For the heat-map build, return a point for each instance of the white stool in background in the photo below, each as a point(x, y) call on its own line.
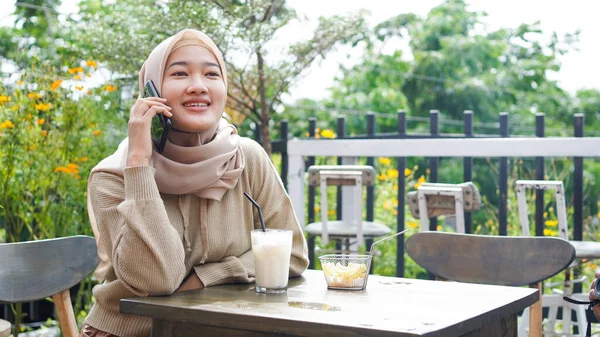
point(584, 250)
point(352, 225)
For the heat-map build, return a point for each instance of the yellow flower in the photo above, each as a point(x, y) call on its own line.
point(56, 84)
point(392, 173)
point(420, 181)
point(77, 77)
point(75, 70)
point(395, 202)
point(7, 125)
point(41, 121)
point(19, 82)
point(388, 205)
point(331, 212)
point(32, 147)
point(317, 208)
point(110, 88)
point(598, 215)
point(395, 187)
point(383, 176)
point(4, 98)
point(84, 158)
point(91, 63)
point(327, 133)
point(549, 232)
point(34, 95)
point(88, 75)
point(411, 224)
point(385, 161)
point(89, 92)
point(44, 133)
point(96, 132)
point(42, 107)
point(407, 172)
point(29, 116)
point(551, 223)
point(14, 108)
point(79, 87)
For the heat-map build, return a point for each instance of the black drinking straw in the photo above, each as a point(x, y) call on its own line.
point(262, 222)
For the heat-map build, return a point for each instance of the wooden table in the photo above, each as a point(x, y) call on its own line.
point(388, 307)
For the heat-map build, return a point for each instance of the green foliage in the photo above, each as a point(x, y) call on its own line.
point(51, 135)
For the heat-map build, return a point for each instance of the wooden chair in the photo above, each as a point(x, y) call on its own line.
point(496, 260)
point(34, 270)
point(352, 225)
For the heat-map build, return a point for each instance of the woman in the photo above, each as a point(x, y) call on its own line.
point(179, 220)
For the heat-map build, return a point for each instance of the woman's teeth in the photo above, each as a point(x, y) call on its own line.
point(194, 105)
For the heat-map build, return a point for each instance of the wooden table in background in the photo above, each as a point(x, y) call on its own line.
point(388, 307)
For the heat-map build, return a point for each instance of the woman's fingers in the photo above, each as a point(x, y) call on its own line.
point(142, 105)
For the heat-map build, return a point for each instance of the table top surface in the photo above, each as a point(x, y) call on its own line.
point(404, 307)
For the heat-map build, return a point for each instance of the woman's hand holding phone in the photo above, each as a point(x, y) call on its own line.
point(140, 121)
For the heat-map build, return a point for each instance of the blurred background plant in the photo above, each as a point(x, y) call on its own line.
point(53, 130)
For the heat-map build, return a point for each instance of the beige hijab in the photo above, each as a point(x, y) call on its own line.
point(207, 170)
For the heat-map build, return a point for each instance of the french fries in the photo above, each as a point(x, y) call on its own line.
point(351, 276)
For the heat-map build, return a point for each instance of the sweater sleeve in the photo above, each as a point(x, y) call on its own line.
point(145, 250)
point(231, 269)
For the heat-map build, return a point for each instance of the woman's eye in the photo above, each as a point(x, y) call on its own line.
point(213, 74)
point(179, 73)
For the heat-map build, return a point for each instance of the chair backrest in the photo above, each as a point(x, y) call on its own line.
point(366, 172)
point(498, 260)
point(435, 199)
point(342, 175)
point(561, 209)
point(35, 270)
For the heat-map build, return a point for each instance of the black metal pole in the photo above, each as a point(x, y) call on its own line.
point(434, 162)
point(468, 164)
point(312, 126)
point(579, 120)
point(341, 133)
point(400, 217)
point(539, 175)
point(284, 157)
point(503, 181)
point(370, 189)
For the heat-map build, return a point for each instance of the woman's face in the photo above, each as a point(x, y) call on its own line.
point(194, 89)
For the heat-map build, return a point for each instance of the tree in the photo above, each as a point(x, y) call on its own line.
point(244, 30)
point(459, 64)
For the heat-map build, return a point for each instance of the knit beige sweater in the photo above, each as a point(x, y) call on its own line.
point(155, 240)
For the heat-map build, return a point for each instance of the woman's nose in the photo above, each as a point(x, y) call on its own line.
point(197, 86)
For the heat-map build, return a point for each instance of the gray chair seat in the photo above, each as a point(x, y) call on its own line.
point(342, 230)
point(4, 328)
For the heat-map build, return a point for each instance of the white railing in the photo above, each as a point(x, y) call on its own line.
point(350, 149)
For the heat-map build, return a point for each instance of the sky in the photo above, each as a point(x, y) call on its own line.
point(579, 69)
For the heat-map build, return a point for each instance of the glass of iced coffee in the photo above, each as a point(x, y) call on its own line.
point(272, 250)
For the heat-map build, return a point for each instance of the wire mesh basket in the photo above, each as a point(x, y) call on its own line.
point(347, 272)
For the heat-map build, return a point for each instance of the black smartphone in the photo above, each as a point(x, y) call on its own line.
point(161, 125)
